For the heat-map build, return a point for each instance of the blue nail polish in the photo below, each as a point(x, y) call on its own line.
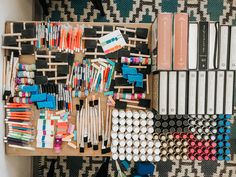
point(227, 123)
point(220, 123)
point(227, 144)
point(220, 157)
point(219, 137)
point(228, 116)
point(220, 144)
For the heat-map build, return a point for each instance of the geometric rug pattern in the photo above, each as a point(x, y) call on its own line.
point(140, 11)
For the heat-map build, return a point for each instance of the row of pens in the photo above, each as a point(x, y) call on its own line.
point(61, 36)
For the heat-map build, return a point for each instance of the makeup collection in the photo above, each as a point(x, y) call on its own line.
point(89, 88)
